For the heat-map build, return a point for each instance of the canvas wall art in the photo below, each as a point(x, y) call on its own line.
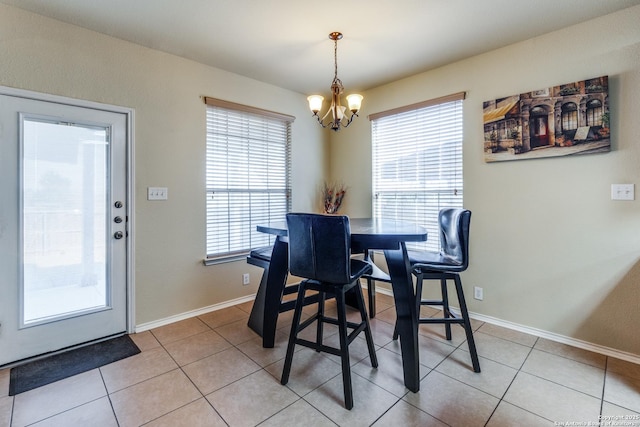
point(562, 120)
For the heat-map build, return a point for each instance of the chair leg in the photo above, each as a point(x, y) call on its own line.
point(344, 348)
point(419, 282)
point(371, 286)
point(371, 293)
point(467, 324)
point(297, 314)
point(367, 331)
point(445, 307)
point(320, 322)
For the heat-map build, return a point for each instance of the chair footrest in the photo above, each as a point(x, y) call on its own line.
point(323, 348)
point(333, 321)
point(356, 327)
point(441, 320)
point(431, 302)
point(306, 323)
point(290, 305)
point(352, 336)
point(291, 289)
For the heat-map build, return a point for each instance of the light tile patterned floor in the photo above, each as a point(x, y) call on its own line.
point(212, 371)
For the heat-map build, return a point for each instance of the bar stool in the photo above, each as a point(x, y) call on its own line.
point(319, 253)
point(445, 265)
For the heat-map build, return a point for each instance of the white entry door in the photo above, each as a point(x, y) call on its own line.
point(63, 223)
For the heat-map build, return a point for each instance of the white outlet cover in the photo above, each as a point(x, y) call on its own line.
point(157, 193)
point(622, 191)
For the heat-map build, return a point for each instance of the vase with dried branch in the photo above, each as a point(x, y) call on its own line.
point(332, 195)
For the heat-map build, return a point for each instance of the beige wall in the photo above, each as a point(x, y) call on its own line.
point(549, 247)
point(47, 56)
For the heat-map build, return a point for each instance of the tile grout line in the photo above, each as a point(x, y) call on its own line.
point(511, 383)
point(519, 370)
point(202, 396)
point(113, 410)
point(604, 385)
point(303, 397)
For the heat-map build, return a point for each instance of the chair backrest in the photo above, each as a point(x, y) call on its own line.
point(319, 247)
point(454, 235)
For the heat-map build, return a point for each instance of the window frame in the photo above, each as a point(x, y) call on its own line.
point(569, 116)
point(594, 112)
point(433, 124)
point(235, 126)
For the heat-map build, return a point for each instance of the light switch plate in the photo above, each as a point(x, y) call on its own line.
point(622, 191)
point(157, 193)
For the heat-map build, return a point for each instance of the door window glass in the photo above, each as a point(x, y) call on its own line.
point(64, 217)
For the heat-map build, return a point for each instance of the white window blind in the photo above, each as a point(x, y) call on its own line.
point(417, 163)
point(248, 176)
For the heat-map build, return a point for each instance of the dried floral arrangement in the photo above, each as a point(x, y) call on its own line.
point(332, 195)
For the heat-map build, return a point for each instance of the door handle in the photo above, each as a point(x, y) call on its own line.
point(118, 235)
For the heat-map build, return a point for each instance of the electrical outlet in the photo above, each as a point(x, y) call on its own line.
point(622, 191)
point(478, 293)
point(246, 279)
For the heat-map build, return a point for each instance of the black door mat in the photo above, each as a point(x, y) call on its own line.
point(60, 366)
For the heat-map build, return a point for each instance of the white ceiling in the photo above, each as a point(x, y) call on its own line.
point(285, 42)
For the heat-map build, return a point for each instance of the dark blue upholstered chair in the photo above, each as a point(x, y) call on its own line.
point(320, 253)
point(447, 264)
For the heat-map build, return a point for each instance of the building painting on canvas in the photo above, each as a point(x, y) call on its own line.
point(562, 120)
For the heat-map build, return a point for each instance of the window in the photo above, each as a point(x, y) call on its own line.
point(248, 176)
point(417, 163)
point(594, 113)
point(569, 116)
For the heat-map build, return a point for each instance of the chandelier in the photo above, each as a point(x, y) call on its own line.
point(339, 118)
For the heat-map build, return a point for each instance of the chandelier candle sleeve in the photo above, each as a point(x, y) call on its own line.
point(355, 101)
point(338, 112)
point(315, 103)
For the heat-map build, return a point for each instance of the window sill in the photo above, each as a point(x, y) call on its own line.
point(226, 259)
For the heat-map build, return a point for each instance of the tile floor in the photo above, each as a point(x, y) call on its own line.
point(212, 371)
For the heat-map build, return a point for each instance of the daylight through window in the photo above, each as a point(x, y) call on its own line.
point(417, 163)
point(248, 176)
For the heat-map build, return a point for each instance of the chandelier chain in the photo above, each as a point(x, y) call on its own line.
point(335, 59)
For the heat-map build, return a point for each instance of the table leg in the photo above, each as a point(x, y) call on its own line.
point(264, 313)
point(407, 317)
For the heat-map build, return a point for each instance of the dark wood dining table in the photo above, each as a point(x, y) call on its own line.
point(366, 233)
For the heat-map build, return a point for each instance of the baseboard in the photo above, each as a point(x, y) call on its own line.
point(596, 348)
point(585, 345)
point(193, 313)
